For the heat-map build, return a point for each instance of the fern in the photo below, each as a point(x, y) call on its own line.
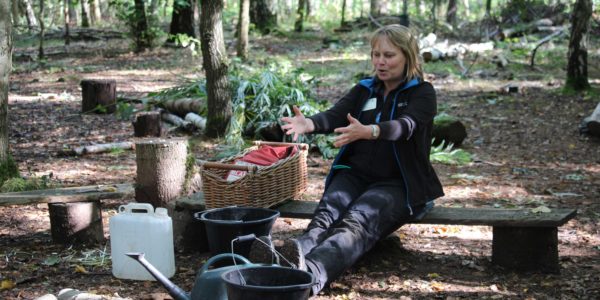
point(446, 155)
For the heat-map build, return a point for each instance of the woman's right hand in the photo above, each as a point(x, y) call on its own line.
point(297, 124)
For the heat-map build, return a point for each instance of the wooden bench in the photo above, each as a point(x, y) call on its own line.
point(522, 240)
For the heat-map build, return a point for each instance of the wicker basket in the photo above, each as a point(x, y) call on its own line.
point(261, 186)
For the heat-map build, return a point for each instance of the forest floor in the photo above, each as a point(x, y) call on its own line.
point(527, 153)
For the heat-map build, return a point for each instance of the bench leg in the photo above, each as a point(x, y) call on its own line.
point(526, 248)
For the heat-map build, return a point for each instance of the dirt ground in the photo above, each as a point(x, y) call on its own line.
point(527, 153)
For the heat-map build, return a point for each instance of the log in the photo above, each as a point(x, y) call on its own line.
point(76, 222)
point(101, 148)
point(147, 124)
point(591, 124)
point(183, 106)
point(198, 121)
point(96, 93)
point(524, 28)
point(432, 54)
point(176, 120)
point(161, 170)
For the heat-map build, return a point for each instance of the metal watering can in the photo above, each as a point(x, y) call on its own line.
point(208, 285)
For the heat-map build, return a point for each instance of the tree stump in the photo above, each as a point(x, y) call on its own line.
point(591, 124)
point(147, 124)
point(161, 170)
point(79, 222)
point(448, 130)
point(96, 93)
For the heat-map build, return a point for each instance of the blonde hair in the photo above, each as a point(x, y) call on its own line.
point(402, 38)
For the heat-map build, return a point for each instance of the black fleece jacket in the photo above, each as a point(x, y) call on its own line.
point(409, 148)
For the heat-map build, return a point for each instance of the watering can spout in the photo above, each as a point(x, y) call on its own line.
point(176, 292)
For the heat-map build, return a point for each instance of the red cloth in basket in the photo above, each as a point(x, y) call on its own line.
point(264, 156)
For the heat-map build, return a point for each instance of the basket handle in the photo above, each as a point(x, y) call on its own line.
point(301, 145)
point(218, 165)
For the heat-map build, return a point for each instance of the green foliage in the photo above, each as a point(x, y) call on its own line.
point(126, 12)
point(447, 155)
point(186, 41)
point(19, 184)
point(442, 119)
point(124, 110)
point(191, 89)
point(263, 96)
point(8, 169)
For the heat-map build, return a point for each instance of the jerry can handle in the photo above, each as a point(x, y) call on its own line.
point(220, 257)
point(136, 208)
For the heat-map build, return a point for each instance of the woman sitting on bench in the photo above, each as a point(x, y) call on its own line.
point(382, 176)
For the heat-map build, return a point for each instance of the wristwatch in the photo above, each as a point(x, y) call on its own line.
point(374, 131)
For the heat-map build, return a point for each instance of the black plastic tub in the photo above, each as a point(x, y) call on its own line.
point(268, 283)
point(225, 224)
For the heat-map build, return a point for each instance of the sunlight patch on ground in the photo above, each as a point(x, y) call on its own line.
point(457, 231)
point(486, 192)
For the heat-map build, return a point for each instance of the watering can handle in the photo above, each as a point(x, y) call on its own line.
point(220, 257)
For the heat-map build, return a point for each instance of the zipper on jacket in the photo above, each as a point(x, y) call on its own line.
point(398, 159)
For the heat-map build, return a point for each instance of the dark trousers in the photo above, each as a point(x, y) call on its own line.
point(352, 216)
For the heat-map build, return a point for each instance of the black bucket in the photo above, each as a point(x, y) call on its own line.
point(226, 224)
point(268, 282)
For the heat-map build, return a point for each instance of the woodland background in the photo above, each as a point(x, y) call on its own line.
point(522, 101)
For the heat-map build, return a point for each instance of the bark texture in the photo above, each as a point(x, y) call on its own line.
point(182, 21)
point(243, 24)
point(98, 92)
point(76, 222)
point(214, 61)
point(577, 73)
point(147, 124)
point(161, 170)
point(5, 67)
point(262, 14)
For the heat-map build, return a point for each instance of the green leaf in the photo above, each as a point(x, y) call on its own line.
point(51, 260)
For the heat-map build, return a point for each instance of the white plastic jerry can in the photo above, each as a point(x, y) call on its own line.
point(138, 228)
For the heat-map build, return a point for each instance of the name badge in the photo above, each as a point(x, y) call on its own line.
point(370, 104)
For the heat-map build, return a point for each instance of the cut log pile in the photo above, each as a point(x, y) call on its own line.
point(432, 50)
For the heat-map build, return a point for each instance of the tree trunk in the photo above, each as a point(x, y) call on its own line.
point(147, 124)
point(94, 11)
point(76, 222)
point(30, 14)
point(142, 42)
point(66, 15)
point(182, 20)
point(214, 61)
point(42, 32)
point(343, 13)
point(98, 92)
point(298, 26)
point(488, 8)
point(72, 13)
point(161, 170)
point(262, 14)
point(243, 24)
point(451, 13)
point(577, 74)
point(84, 14)
point(375, 8)
point(5, 68)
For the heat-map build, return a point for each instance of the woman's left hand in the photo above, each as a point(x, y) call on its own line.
point(354, 131)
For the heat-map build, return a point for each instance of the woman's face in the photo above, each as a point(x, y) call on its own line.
point(388, 61)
